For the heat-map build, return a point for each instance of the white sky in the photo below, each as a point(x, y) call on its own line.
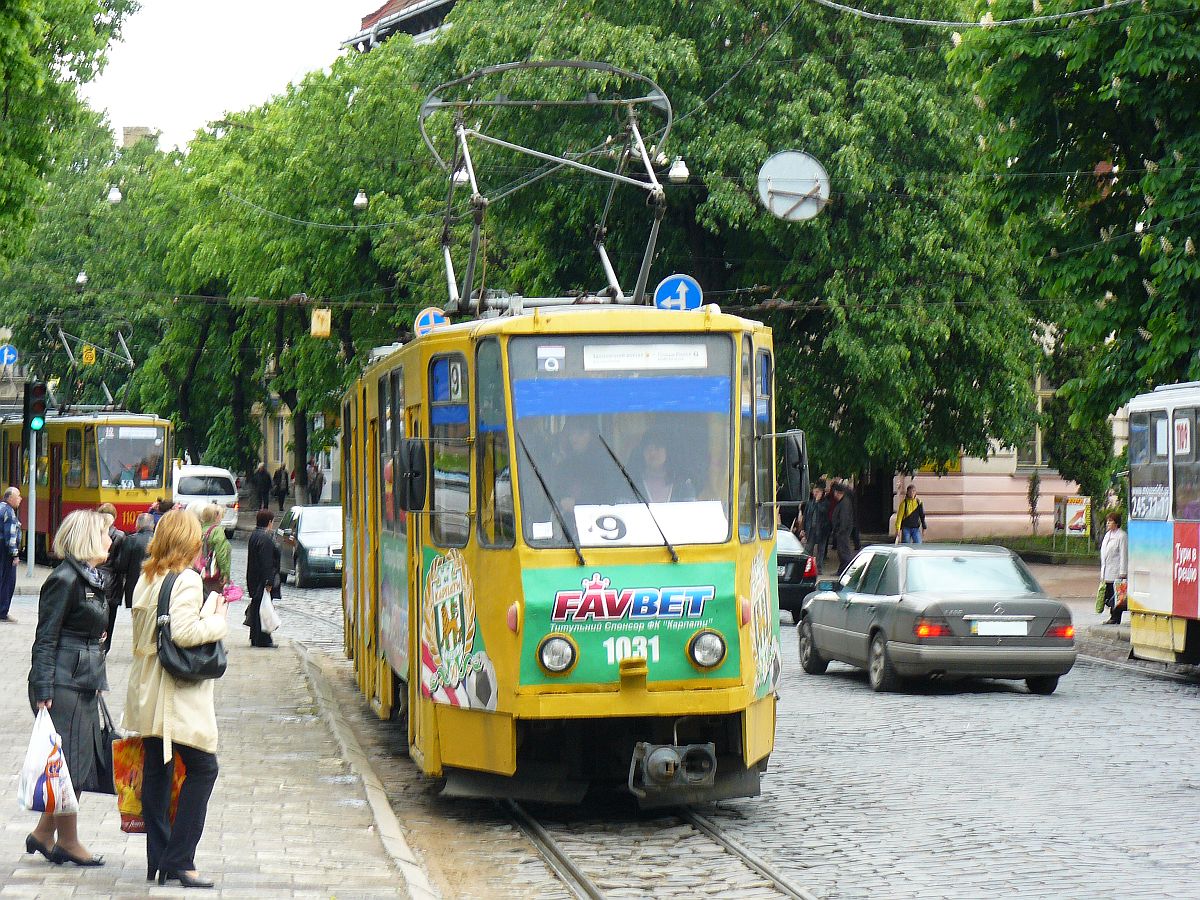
point(183, 64)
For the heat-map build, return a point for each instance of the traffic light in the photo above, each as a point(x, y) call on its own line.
point(36, 395)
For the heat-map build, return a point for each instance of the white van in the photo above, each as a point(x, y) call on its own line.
point(209, 484)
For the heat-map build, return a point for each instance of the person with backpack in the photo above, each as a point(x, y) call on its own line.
point(215, 553)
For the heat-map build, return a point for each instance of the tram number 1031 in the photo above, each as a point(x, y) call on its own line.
point(619, 648)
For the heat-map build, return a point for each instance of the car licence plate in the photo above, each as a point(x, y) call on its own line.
point(337, 565)
point(782, 571)
point(993, 627)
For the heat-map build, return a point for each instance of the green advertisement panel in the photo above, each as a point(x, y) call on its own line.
point(651, 611)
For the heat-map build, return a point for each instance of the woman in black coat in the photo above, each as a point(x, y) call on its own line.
point(68, 672)
point(262, 573)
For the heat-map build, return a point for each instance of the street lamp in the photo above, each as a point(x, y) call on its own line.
point(114, 195)
point(679, 171)
point(361, 201)
point(461, 177)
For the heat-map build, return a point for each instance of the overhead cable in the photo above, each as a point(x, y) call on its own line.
point(985, 22)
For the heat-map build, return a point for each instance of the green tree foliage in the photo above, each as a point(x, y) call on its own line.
point(1090, 138)
point(1080, 448)
point(47, 48)
point(900, 328)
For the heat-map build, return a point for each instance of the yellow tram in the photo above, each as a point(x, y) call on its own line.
point(88, 458)
point(560, 551)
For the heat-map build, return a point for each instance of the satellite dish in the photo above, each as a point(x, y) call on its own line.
point(793, 186)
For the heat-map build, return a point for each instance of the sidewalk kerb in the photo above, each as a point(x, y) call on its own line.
point(386, 823)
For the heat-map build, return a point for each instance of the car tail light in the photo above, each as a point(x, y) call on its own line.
point(1061, 629)
point(810, 567)
point(931, 628)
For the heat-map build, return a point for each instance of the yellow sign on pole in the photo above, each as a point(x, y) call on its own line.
point(320, 322)
point(88, 356)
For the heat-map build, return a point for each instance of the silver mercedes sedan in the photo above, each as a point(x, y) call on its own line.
point(927, 610)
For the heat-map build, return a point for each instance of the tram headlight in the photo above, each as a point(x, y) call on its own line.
point(707, 649)
point(557, 654)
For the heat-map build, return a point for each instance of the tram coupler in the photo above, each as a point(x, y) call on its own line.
point(668, 768)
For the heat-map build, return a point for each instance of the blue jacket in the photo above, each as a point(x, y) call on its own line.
point(10, 528)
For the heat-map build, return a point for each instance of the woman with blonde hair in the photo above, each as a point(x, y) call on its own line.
point(214, 549)
point(175, 718)
point(68, 672)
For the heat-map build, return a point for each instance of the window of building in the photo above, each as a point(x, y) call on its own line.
point(1031, 451)
point(279, 426)
point(451, 463)
point(74, 474)
point(496, 520)
point(746, 450)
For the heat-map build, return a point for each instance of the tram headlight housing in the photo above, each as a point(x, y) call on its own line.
point(557, 654)
point(707, 649)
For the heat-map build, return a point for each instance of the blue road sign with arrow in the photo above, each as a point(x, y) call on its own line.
point(8, 355)
point(678, 292)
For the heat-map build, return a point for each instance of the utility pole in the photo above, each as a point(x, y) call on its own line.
point(31, 534)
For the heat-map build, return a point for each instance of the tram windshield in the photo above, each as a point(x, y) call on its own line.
point(630, 437)
point(131, 456)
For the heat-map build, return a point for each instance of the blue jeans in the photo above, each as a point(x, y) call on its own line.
point(910, 535)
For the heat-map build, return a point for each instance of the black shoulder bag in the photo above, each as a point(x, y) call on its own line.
point(185, 663)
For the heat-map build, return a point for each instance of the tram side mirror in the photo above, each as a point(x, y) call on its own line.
point(414, 475)
point(794, 483)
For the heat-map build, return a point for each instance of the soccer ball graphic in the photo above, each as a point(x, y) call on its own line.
point(480, 684)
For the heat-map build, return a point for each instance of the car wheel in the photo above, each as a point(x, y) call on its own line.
point(303, 579)
point(879, 666)
point(810, 660)
point(1042, 684)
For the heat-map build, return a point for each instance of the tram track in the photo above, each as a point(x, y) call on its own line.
point(594, 859)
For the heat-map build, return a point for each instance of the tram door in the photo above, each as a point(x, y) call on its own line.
point(56, 485)
point(420, 712)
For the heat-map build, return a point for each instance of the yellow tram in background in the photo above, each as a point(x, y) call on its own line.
point(560, 551)
point(88, 458)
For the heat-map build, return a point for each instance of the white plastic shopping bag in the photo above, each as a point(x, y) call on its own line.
point(45, 784)
point(268, 619)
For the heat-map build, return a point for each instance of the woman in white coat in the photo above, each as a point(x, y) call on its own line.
point(176, 718)
point(1114, 564)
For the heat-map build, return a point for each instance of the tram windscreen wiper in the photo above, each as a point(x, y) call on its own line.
point(640, 496)
point(558, 513)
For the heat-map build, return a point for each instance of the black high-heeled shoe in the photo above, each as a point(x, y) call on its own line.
point(151, 872)
point(33, 845)
point(184, 880)
point(60, 856)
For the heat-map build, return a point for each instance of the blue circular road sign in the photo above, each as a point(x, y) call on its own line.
point(428, 319)
point(678, 292)
point(8, 355)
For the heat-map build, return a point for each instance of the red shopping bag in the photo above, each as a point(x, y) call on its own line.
point(129, 761)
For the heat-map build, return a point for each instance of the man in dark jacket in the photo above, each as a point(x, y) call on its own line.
point(843, 526)
point(262, 574)
point(261, 480)
point(816, 524)
point(133, 554)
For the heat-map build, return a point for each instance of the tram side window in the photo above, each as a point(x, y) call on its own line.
point(91, 474)
point(74, 473)
point(496, 520)
point(387, 499)
point(764, 454)
point(1149, 458)
point(746, 448)
point(1187, 467)
point(398, 435)
point(348, 432)
point(449, 520)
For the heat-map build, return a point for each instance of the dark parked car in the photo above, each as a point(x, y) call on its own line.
point(938, 610)
point(797, 572)
point(310, 543)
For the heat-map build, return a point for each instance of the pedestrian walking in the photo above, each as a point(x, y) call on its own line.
point(815, 524)
point(175, 718)
point(133, 554)
point(261, 481)
point(1114, 566)
point(68, 673)
point(111, 572)
point(215, 549)
point(842, 536)
point(280, 484)
point(10, 534)
point(852, 497)
point(262, 574)
point(316, 482)
point(910, 517)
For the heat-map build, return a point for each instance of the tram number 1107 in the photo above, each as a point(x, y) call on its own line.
point(619, 648)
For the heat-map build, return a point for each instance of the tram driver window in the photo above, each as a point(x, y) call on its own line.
point(497, 527)
point(448, 395)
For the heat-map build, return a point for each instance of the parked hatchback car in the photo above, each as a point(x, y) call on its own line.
point(310, 543)
point(192, 484)
point(938, 610)
point(797, 572)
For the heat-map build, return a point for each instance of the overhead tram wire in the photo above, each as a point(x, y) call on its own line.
point(983, 23)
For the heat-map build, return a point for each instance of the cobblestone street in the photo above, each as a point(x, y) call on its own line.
point(968, 790)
